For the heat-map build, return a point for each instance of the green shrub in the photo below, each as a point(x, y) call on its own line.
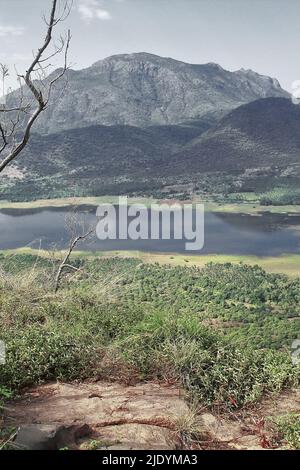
point(288, 427)
point(213, 371)
point(38, 354)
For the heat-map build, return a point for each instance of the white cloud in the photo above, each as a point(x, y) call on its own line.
point(11, 31)
point(91, 9)
point(103, 14)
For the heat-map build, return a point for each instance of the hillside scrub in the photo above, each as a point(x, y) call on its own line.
point(224, 332)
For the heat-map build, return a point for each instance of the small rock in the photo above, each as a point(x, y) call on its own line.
point(36, 437)
point(48, 436)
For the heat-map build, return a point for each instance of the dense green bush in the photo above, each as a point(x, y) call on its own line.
point(288, 427)
point(214, 371)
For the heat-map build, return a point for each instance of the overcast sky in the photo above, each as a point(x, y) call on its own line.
point(263, 35)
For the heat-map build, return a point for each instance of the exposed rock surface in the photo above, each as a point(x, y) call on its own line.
point(143, 89)
point(118, 417)
point(145, 416)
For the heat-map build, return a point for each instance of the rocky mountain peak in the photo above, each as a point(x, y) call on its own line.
point(143, 89)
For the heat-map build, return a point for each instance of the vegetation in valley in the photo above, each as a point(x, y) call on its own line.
point(262, 191)
point(247, 156)
point(223, 332)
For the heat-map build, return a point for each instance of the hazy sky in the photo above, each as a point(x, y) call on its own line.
point(263, 35)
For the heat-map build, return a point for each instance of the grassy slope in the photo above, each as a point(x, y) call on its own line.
point(216, 331)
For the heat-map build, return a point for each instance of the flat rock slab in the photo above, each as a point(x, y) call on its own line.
point(146, 416)
point(118, 417)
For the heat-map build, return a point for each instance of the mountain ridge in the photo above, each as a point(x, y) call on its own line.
point(142, 89)
point(261, 133)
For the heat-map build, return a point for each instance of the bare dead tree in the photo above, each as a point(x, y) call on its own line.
point(65, 264)
point(75, 224)
point(14, 134)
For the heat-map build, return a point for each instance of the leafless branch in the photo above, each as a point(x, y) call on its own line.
point(4, 139)
point(18, 108)
point(39, 66)
point(65, 262)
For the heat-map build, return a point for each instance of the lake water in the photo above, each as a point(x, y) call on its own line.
point(238, 234)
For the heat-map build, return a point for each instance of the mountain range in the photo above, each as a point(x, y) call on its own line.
point(144, 89)
point(138, 121)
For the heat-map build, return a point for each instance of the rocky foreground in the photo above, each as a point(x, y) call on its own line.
point(104, 416)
